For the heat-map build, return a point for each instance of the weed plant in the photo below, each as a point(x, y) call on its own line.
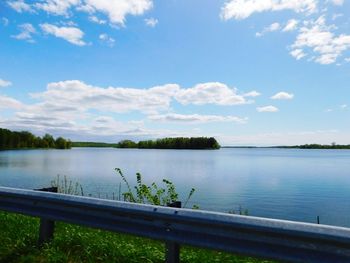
point(67, 186)
point(152, 194)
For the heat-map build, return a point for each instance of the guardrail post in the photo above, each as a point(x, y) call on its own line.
point(47, 227)
point(172, 254)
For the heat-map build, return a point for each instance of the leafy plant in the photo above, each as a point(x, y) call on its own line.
point(66, 186)
point(239, 211)
point(152, 194)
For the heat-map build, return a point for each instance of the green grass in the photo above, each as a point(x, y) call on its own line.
point(71, 243)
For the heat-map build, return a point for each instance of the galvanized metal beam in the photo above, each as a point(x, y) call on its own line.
point(252, 236)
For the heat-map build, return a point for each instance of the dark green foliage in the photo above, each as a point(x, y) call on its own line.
point(26, 140)
point(173, 143)
point(239, 211)
point(127, 144)
point(49, 140)
point(152, 194)
point(317, 146)
point(61, 143)
point(93, 144)
point(320, 146)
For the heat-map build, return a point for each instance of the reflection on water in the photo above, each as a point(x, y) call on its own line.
point(279, 183)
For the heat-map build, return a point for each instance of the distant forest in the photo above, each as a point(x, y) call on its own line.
point(317, 146)
point(26, 140)
point(93, 144)
point(173, 143)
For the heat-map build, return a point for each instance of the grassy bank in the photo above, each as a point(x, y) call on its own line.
point(73, 243)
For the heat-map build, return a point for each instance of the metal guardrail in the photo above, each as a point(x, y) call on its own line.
point(253, 236)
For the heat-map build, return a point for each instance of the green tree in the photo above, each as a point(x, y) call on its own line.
point(127, 144)
point(61, 143)
point(49, 141)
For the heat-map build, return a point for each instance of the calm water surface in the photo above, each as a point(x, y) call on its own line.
point(289, 184)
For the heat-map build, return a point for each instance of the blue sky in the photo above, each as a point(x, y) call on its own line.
point(249, 72)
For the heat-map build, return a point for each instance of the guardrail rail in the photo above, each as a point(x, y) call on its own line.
point(252, 236)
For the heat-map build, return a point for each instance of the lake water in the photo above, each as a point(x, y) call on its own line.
point(289, 184)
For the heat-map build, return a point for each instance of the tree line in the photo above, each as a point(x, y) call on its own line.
point(26, 140)
point(94, 144)
point(173, 143)
point(316, 146)
point(323, 146)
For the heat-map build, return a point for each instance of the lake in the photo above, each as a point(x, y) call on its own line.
point(291, 184)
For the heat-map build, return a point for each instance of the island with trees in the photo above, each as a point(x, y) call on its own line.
point(196, 143)
point(25, 140)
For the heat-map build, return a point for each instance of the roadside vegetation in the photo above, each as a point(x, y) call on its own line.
point(152, 194)
point(72, 243)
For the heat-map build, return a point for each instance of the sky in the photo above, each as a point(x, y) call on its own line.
point(248, 72)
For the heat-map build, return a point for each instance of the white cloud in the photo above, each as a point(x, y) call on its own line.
point(343, 106)
point(27, 30)
point(267, 109)
point(291, 25)
point(96, 20)
point(274, 27)
point(85, 8)
point(72, 34)
point(9, 103)
point(241, 9)
point(117, 10)
point(151, 22)
point(253, 93)
point(5, 83)
point(282, 96)
point(298, 53)
point(326, 59)
point(338, 2)
point(210, 93)
point(73, 108)
point(107, 39)
point(5, 21)
point(317, 38)
point(271, 28)
point(20, 6)
point(57, 7)
point(68, 23)
point(78, 94)
point(335, 16)
point(196, 118)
